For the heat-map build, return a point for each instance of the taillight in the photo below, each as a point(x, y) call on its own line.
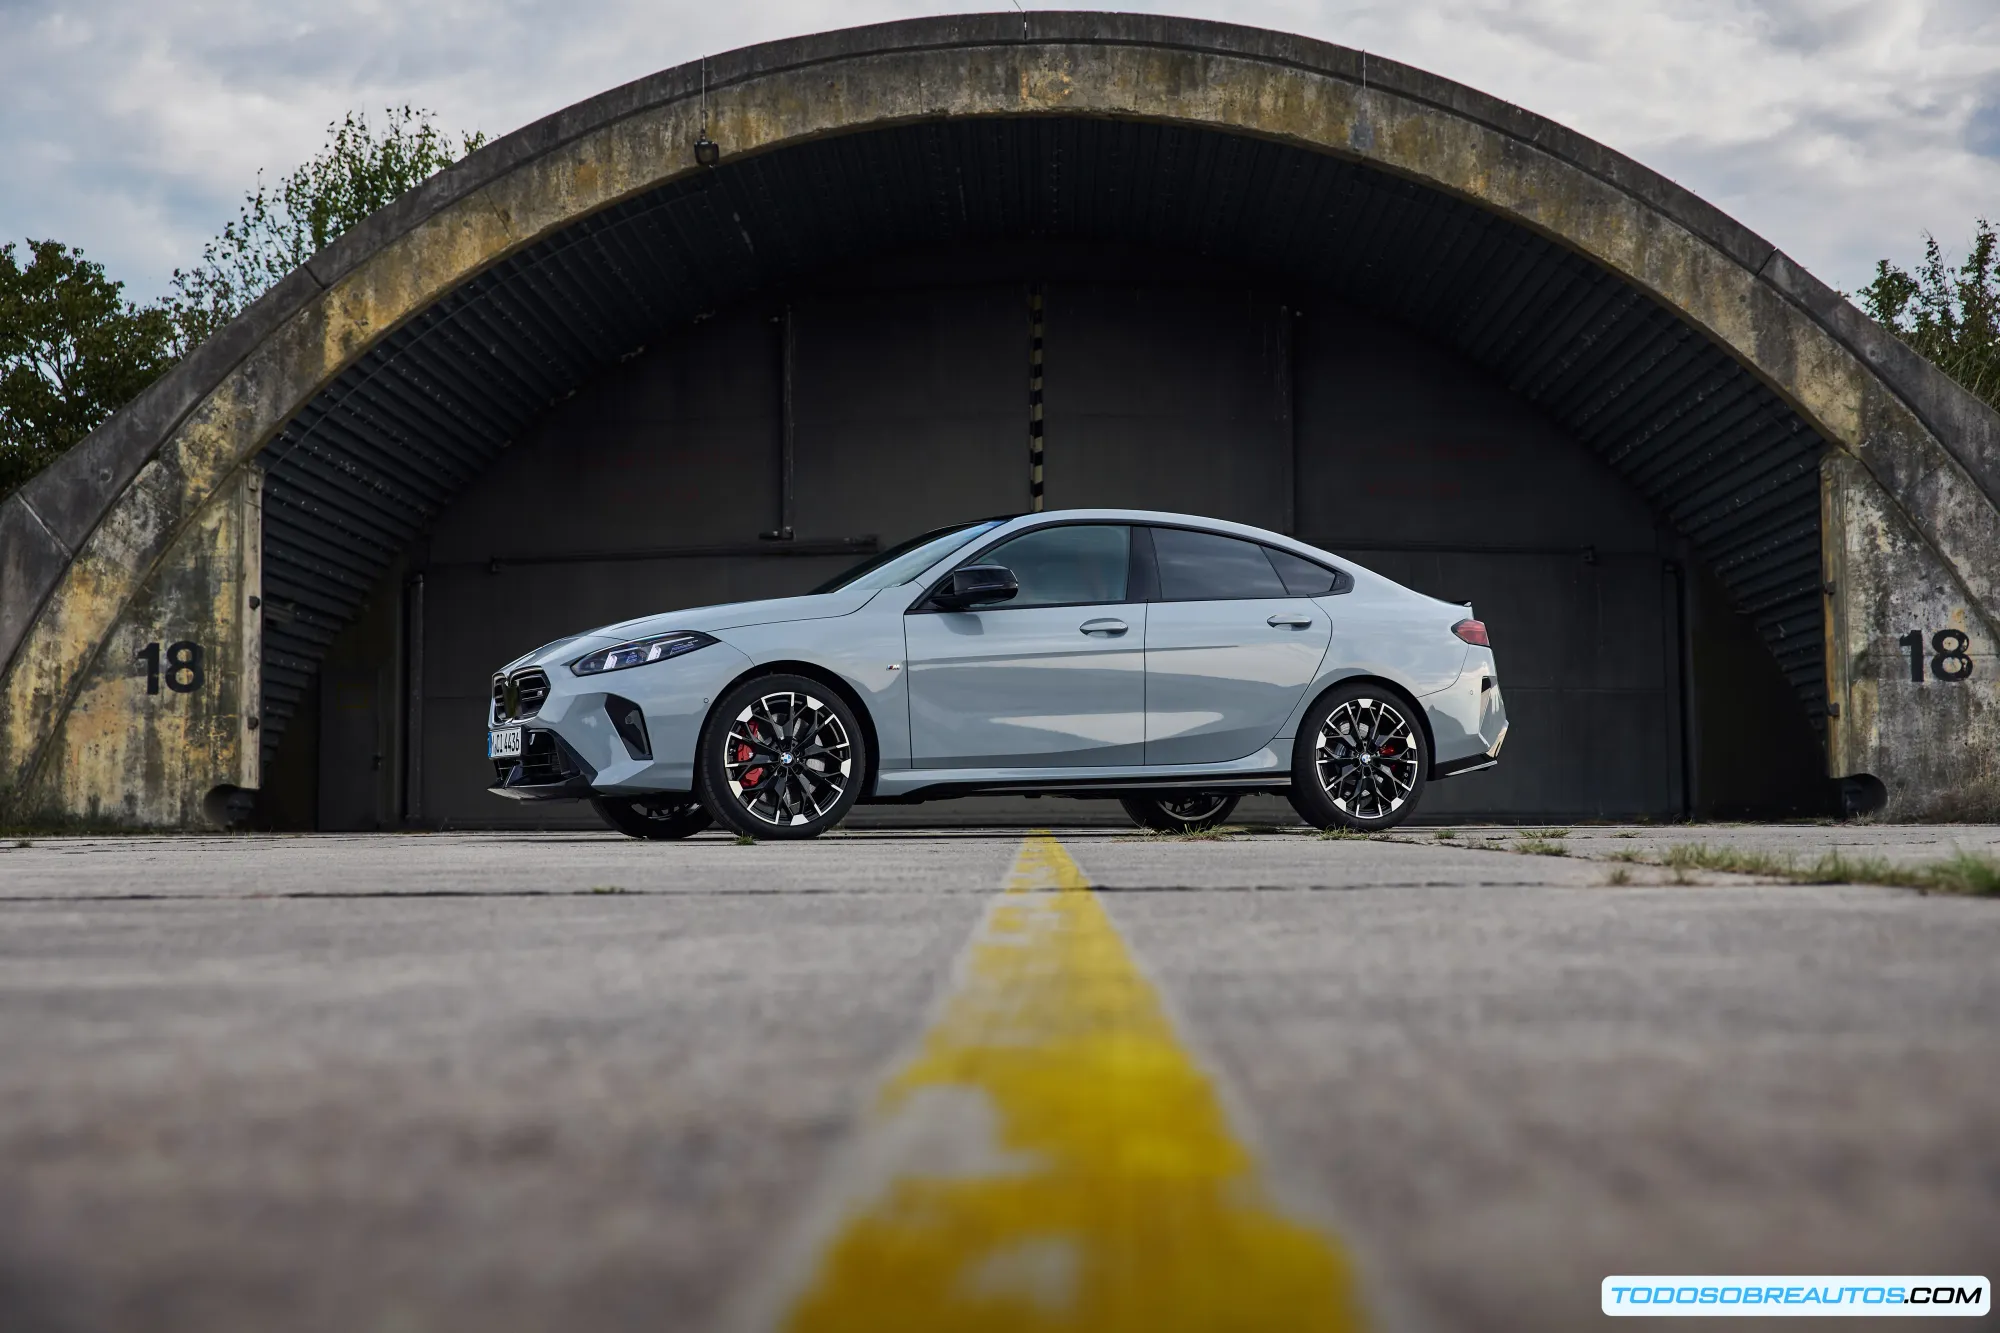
point(1473, 632)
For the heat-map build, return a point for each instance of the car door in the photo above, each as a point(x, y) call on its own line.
point(1232, 641)
point(1052, 678)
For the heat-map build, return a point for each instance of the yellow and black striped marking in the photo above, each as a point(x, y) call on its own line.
point(1035, 398)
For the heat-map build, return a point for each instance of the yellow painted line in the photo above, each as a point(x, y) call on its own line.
point(1051, 1157)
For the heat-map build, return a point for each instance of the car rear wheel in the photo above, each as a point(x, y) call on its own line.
point(1179, 811)
point(656, 818)
point(781, 757)
point(1360, 760)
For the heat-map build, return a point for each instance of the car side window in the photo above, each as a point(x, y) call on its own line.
point(1303, 577)
point(1074, 565)
point(1204, 567)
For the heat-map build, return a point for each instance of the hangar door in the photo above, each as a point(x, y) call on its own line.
point(854, 422)
point(1358, 437)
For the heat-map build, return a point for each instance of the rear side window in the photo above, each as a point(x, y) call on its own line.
point(1076, 565)
point(1302, 577)
point(1203, 567)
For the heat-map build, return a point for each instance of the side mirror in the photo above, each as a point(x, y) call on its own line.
point(976, 585)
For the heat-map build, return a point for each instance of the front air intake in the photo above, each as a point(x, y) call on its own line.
point(629, 721)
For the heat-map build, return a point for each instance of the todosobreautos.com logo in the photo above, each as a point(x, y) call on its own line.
point(1874, 1297)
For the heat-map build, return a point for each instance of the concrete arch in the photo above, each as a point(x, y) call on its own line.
point(134, 528)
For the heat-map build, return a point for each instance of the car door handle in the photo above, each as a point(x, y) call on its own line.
point(1289, 620)
point(1107, 626)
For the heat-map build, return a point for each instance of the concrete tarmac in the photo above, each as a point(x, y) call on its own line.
point(569, 1081)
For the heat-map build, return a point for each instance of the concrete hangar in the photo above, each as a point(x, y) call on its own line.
point(714, 334)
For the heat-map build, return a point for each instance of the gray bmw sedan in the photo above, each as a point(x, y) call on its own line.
point(1172, 662)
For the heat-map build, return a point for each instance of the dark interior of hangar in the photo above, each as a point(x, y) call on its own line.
point(833, 341)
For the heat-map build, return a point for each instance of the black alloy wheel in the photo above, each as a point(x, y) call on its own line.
point(781, 757)
point(664, 818)
point(1360, 760)
point(1179, 811)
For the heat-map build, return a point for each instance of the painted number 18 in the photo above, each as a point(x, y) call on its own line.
point(1949, 660)
point(183, 666)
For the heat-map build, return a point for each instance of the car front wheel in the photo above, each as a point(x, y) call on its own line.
point(1359, 761)
point(1179, 811)
point(656, 818)
point(781, 757)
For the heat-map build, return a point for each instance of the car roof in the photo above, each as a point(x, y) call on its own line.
point(1022, 522)
point(1006, 527)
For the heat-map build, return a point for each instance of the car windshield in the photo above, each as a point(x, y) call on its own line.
point(900, 564)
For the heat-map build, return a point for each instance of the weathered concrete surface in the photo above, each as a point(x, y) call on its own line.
point(1899, 844)
point(447, 1086)
point(154, 727)
point(1859, 392)
point(1930, 740)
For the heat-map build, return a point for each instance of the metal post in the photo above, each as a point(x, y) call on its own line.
point(1683, 620)
point(413, 707)
point(788, 351)
point(1288, 398)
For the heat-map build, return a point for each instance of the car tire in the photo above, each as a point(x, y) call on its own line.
point(1360, 759)
point(781, 757)
point(1179, 811)
point(666, 818)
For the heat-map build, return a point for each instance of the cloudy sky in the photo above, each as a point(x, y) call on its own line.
point(1840, 129)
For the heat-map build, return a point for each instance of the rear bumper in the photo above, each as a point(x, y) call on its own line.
point(1471, 763)
point(1468, 719)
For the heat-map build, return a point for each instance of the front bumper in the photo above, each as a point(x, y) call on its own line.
point(549, 769)
point(584, 755)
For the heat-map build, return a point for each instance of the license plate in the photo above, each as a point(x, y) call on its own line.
point(503, 744)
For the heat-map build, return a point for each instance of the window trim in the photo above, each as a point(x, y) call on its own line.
point(923, 606)
point(1343, 582)
point(1145, 582)
point(1142, 582)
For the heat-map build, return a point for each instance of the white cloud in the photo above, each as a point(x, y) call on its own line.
point(1839, 129)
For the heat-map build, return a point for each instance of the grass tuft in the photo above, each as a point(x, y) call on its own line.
point(1974, 874)
point(1341, 834)
point(1219, 833)
point(745, 840)
point(1838, 868)
point(1730, 860)
point(1967, 873)
point(1540, 847)
point(608, 888)
point(1445, 833)
point(1619, 876)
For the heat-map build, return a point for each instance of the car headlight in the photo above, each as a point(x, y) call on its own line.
point(639, 652)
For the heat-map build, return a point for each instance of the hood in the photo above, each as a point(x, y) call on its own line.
point(562, 650)
point(736, 615)
point(708, 619)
